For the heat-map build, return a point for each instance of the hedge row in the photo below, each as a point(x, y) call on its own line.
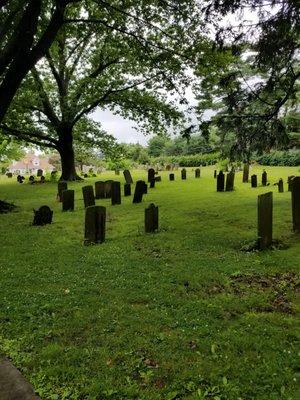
point(194, 160)
point(281, 158)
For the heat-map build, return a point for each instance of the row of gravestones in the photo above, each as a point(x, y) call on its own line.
point(39, 173)
point(31, 179)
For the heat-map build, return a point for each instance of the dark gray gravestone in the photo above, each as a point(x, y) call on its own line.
point(39, 172)
point(158, 178)
point(95, 220)
point(215, 173)
point(139, 191)
point(280, 186)
point(197, 173)
point(127, 176)
point(127, 189)
point(9, 175)
point(145, 188)
point(107, 189)
point(115, 193)
point(151, 218)
point(31, 178)
point(61, 186)
point(290, 180)
point(151, 174)
point(296, 203)
point(230, 181)
point(152, 183)
point(68, 200)
point(88, 196)
point(220, 182)
point(99, 190)
point(42, 216)
point(264, 178)
point(183, 174)
point(254, 181)
point(172, 177)
point(246, 173)
point(20, 178)
point(265, 220)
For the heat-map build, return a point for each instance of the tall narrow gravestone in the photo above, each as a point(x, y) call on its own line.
point(151, 174)
point(127, 189)
point(95, 220)
point(265, 220)
point(183, 174)
point(115, 193)
point(245, 173)
point(127, 176)
point(172, 177)
point(296, 203)
point(264, 178)
point(145, 188)
point(215, 173)
point(138, 192)
point(290, 181)
point(220, 182)
point(68, 200)
point(61, 186)
point(280, 186)
point(107, 189)
point(230, 181)
point(197, 173)
point(88, 196)
point(254, 181)
point(99, 190)
point(151, 218)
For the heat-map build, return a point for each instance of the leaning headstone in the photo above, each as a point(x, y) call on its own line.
point(254, 181)
point(290, 180)
point(139, 191)
point(107, 188)
point(246, 173)
point(183, 174)
point(215, 173)
point(230, 181)
point(39, 172)
point(280, 186)
point(296, 203)
point(265, 220)
point(68, 200)
point(220, 182)
point(151, 218)
point(127, 189)
point(127, 176)
point(197, 173)
point(151, 174)
point(264, 178)
point(115, 193)
point(61, 186)
point(152, 183)
point(42, 216)
point(172, 177)
point(88, 196)
point(95, 220)
point(99, 190)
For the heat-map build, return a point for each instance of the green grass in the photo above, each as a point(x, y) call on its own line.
point(119, 321)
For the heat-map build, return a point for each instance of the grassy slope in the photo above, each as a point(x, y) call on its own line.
point(115, 321)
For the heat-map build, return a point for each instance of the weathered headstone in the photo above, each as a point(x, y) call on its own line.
point(265, 220)
point(99, 190)
point(197, 173)
point(68, 200)
point(42, 216)
point(43, 179)
point(254, 181)
point(220, 182)
point(215, 173)
point(39, 172)
point(151, 218)
point(127, 176)
point(280, 186)
point(20, 178)
point(151, 174)
point(139, 191)
point(61, 186)
point(127, 189)
point(95, 220)
point(296, 203)
point(158, 178)
point(9, 175)
point(290, 181)
point(264, 178)
point(117, 171)
point(230, 181)
point(172, 177)
point(115, 193)
point(145, 188)
point(183, 174)
point(31, 178)
point(152, 183)
point(107, 188)
point(168, 167)
point(88, 196)
point(245, 173)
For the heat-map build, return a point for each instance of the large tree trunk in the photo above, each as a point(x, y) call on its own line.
point(67, 157)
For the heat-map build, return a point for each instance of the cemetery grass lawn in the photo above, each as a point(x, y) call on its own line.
point(181, 314)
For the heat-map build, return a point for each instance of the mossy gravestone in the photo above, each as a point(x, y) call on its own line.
point(220, 182)
point(230, 181)
point(246, 173)
point(197, 173)
point(183, 174)
point(115, 193)
point(138, 192)
point(265, 220)
point(42, 216)
point(88, 196)
point(172, 177)
point(68, 200)
point(151, 174)
point(100, 190)
point(39, 172)
point(127, 189)
point(61, 186)
point(107, 189)
point(151, 218)
point(280, 186)
point(127, 176)
point(296, 203)
point(95, 221)
point(254, 181)
point(264, 178)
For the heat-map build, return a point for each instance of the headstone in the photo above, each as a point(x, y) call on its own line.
point(139, 191)
point(197, 173)
point(290, 180)
point(107, 188)
point(246, 173)
point(43, 179)
point(88, 196)
point(172, 177)
point(152, 183)
point(151, 218)
point(115, 193)
point(9, 175)
point(151, 174)
point(127, 176)
point(39, 172)
point(20, 178)
point(265, 220)
point(183, 174)
point(296, 203)
point(158, 178)
point(280, 186)
point(99, 190)
point(31, 178)
point(53, 173)
point(68, 200)
point(264, 178)
point(145, 188)
point(220, 182)
point(61, 186)
point(42, 216)
point(85, 175)
point(168, 167)
point(230, 181)
point(95, 220)
point(117, 171)
point(127, 189)
point(254, 181)
point(215, 173)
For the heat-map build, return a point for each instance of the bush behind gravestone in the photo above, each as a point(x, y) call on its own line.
point(290, 158)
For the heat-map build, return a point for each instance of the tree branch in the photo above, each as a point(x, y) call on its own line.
point(27, 136)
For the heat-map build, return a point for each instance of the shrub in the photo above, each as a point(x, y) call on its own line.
point(289, 158)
